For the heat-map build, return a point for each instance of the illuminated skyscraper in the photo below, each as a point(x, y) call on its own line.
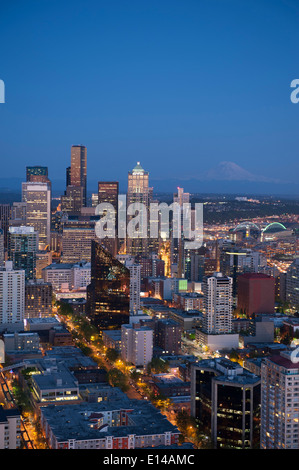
point(177, 243)
point(76, 240)
point(217, 311)
point(138, 193)
point(108, 193)
point(78, 174)
point(5, 213)
point(280, 403)
point(225, 401)
point(12, 294)
point(38, 199)
point(109, 291)
point(22, 249)
point(37, 174)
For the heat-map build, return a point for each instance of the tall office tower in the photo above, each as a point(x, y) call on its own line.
point(108, 193)
point(38, 199)
point(194, 264)
point(177, 243)
point(37, 174)
point(22, 249)
point(138, 193)
point(94, 199)
point(5, 213)
point(168, 336)
point(280, 402)
point(79, 168)
point(18, 214)
point(38, 299)
point(292, 285)
point(108, 295)
point(43, 259)
point(12, 294)
point(137, 344)
point(256, 293)
point(217, 311)
point(68, 176)
point(77, 236)
point(225, 401)
point(72, 200)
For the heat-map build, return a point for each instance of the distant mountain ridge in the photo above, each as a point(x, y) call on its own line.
point(227, 177)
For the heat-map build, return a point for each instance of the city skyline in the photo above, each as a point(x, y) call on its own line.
point(181, 88)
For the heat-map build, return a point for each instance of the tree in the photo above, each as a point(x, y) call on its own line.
point(117, 379)
point(157, 366)
point(112, 355)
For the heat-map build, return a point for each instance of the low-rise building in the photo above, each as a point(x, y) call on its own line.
point(113, 424)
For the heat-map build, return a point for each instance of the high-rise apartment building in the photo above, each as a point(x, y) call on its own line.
point(22, 249)
point(280, 402)
point(38, 199)
point(12, 294)
point(217, 311)
point(10, 428)
point(108, 295)
point(136, 344)
point(168, 336)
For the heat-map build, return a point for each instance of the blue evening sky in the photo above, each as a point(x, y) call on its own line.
point(179, 85)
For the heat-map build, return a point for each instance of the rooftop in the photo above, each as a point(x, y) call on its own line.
point(73, 421)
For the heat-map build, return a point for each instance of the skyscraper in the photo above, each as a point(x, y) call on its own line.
point(1, 248)
point(12, 294)
point(109, 291)
point(38, 199)
point(138, 194)
point(78, 174)
point(5, 213)
point(280, 402)
point(76, 240)
point(217, 311)
point(22, 249)
point(177, 243)
point(292, 285)
point(108, 193)
point(37, 174)
point(225, 401)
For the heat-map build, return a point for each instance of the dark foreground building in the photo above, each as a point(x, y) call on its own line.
point(226, 403)
point(108, 293)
